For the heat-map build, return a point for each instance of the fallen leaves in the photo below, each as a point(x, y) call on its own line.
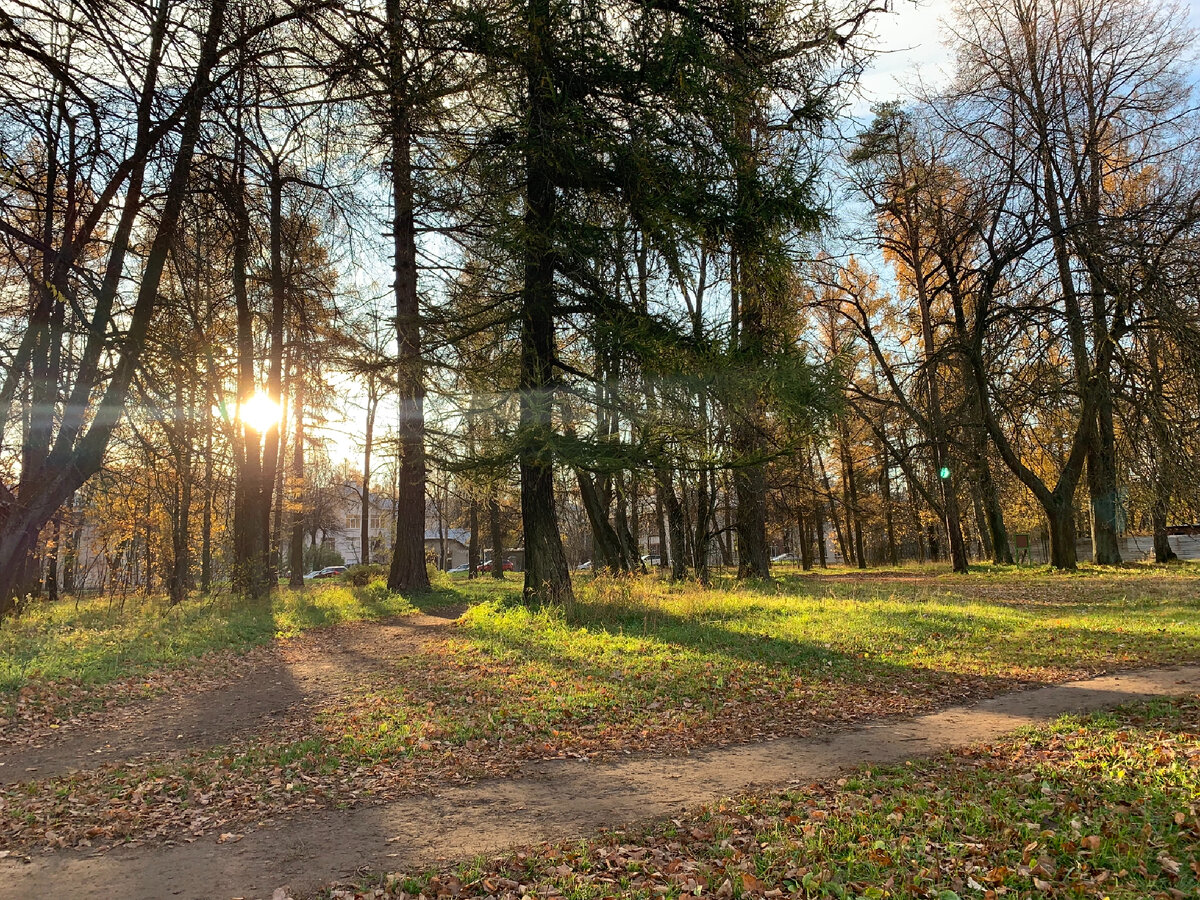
point(936, 829)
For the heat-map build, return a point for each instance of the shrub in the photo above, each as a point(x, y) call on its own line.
point(361, 576)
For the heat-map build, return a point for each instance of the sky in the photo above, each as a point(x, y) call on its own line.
point(910, 39)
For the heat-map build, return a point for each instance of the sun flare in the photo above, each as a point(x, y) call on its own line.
point(259, 412)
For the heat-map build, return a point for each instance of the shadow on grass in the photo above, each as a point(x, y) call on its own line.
point(810, 660)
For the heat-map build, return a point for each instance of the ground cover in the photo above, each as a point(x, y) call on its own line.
point(635, 665)
point(1105, 806)
point(59, 659)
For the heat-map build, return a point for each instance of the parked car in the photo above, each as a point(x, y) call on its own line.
point(465, 567)
point(786, 558)
point(313, 574)
point(584, 566)
point(487, 566)
point(330, 572)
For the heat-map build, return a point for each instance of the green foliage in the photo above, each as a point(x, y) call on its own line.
point(319, 556)
point(362, 575)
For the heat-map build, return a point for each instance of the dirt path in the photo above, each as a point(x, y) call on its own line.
point(562, 799)
point(296, 676)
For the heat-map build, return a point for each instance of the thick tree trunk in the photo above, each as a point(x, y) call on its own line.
point(407, 572)
point(1102, 484)
point(1060, 517)
point(547, 578)
point(1162, 543)
point(250, 563)
point(750, 485)
point(953, 521)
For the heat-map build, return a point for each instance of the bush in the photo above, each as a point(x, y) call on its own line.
point(320, 556)
point(361, 576)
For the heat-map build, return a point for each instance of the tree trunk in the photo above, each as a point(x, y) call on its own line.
point(368, 444)
point(296, 547)
point(1158, 518)
point(1102, 483)
point(674, 511)
point(74, 536)
point(806, 549)
point(994, 513)
point(850, 495)
point(497, 535)
point(660, 523)
point(250, 562)
point(885, 490)
point(473, 540)
point(702, 531)
point(407, 572)
point(1060, 517)
point(52, 561)
point(607, 552)
point(206, 521)
point(547, 578)
point(958, 546)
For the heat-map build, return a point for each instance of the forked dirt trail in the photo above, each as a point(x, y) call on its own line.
point(563, 799)
point(291, 677)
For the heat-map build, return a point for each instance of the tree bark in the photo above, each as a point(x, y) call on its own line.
point(407, 572)
point(296, 547)
point(547, 578)
point(368, 445)
point(674, 523)
point(497, 535)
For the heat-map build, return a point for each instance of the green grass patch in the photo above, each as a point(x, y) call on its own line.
point(641, 664)
point(93, 641)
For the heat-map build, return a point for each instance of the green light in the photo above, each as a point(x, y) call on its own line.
point(944, 472)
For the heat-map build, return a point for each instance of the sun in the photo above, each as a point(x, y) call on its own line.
point(259, 412)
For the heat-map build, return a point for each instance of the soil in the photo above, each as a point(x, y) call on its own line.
point(293, 677)
point(553, 799)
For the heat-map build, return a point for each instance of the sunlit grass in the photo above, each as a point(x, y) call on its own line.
point(94, 640)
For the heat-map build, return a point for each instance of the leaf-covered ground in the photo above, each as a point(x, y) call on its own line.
point(635, 665)
point(1102, 807)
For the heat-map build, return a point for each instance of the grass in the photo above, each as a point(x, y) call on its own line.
point(1106, 806)
point(92, 642)
point(633, 664)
